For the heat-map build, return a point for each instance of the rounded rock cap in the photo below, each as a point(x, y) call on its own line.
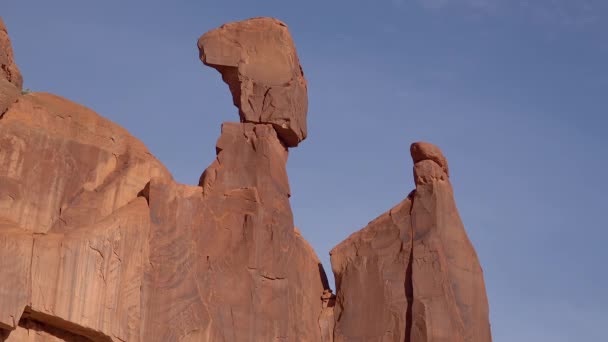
point(426, 151)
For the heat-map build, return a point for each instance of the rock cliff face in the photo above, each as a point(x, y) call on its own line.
point(99, 243)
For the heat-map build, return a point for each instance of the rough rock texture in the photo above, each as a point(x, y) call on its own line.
point(450, 302)
point(258, 61)
point(412, 273)
point(225, 262)
point(371, 269)
point(73, 225)
point(10, 77)
point(8, 95)
point(98, 243)
point(8, 69)
point(64, 166)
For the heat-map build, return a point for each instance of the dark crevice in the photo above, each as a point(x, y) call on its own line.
point(39, 327)
point(60, 328)
point(409, 294)
point(324, 277)
point(409, 285)
point(145, 192)
point(4, 334)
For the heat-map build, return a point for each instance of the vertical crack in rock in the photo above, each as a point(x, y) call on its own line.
point(408, 285)
point(412, 274)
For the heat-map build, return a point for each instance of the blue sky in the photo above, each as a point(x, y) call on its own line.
point(513, 91)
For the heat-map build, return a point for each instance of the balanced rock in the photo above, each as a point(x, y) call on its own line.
point(99, 243)
point(258, 60)
point(412, 274)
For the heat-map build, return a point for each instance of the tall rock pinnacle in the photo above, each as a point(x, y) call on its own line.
point(412, 273)
point(258, 61)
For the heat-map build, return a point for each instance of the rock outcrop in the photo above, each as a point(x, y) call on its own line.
point(258, 61)
point(412, 273)
point(10, 76)
point(225, 261)
point(8, 69)
point(99, 243)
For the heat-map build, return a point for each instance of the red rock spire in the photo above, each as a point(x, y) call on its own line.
point(412, 273)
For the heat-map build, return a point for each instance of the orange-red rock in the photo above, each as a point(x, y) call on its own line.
point(10, 77)
point(64, 166)
point(372, 269)
point(8, 95)
point(450, 302)
point(225, 261)
point(8, 69)
point(74, 228)
point(99, 243)
point(412, 273)
point(258, 61)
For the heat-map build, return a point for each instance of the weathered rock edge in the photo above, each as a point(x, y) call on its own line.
point(412, 273)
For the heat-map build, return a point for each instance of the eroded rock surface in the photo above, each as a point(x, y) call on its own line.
point(225, 262)
point(10, 76)
point(73, 225)
point(258, 61)
point(450, 302)
point(8, 68)
point(412, 273)
point(98, 243)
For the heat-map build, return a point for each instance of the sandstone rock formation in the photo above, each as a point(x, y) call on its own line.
point(412, 273)
point(225, 261)
point(99, 243)
point(8, 69)
point(258, 61)
point(10, 77)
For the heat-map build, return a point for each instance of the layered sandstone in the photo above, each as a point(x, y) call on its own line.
point(412, 273)
point(99, 243)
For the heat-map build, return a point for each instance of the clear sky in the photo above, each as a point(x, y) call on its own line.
point(513, 91)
